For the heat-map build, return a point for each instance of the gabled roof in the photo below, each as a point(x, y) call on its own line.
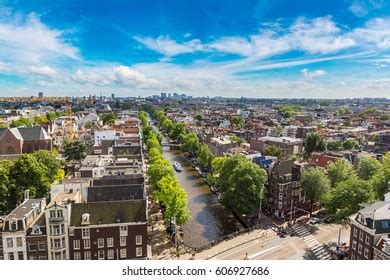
point(113, 212)
point(33, 133)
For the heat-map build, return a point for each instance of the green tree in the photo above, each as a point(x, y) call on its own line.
point(315, 184)
point(350, 144)
point(109, 118)
point(190, 144)
point(238, 121)
point(177, 130)
point(198, 117)
point(22, 121)
point(344, 199)
point(74, 150)
point(381, 179)
point(367, 167)
point(205, 157)
point(88, 124)
point(339, 171)
point(167, 124)
point(174, 198)
point(335, 145)
point(50, 162)
point(244, 185)
point(27, 174)
point(152, 142)
point(158, 170)
point(143, 118)
point(4, 186)
point(273, 151)
point(40, 119)
point(314, 142)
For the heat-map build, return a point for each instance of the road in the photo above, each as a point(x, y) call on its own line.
point(311, 243)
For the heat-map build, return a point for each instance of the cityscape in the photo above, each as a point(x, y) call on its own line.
point(175, 177)
point(183, 130)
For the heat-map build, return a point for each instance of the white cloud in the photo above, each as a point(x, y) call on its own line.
point(310, 75)
point(130, 77)
point(45, 71)
point(28, 40)
point(91, 78)
point(375, 32)
point(358, 8)
point(3, 66)
point(169, 47)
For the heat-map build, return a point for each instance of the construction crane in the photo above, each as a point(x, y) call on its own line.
point(69, 133)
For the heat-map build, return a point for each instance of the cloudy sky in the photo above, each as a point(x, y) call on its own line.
point(263, 48)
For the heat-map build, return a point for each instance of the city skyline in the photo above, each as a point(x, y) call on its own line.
point(256, 49)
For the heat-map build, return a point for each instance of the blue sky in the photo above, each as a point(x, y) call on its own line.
point(263, 48)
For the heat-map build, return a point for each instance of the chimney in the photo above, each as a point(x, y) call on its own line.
point(26, 195)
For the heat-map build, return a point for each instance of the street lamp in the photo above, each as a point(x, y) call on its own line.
point(261, 199)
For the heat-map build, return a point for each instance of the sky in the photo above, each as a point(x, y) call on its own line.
point(256, 49)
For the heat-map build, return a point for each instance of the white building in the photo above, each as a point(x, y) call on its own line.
point(16, 225)
point(105, 135)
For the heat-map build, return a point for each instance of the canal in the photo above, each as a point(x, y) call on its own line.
point(209, 219)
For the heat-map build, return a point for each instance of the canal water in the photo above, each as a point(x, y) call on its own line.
point(209, 219)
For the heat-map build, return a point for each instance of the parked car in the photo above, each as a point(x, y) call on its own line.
point(314, 221)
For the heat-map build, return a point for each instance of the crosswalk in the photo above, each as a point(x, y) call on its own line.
point(314, 245)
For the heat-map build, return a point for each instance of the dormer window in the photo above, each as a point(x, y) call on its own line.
point(13, 225)
point(36, 230)
point(85, 219)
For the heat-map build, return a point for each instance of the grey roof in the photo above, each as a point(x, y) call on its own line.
point(115, 193)
point(379, 210)
point(33, 133)
point(24, 208)
point(131, 211)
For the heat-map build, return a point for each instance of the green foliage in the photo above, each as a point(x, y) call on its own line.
point(51, 116)
point(4, 186)
point(339, 171)
point(242, 184)
point(367, 112)
point(109, 118)
point(385, 118)
point(174, 198)
point(380, 180)
point(367, 167)
point(314, 142)
point(343, 111)
point(190, 144)
point(22, 121)
point(143, 118)
point(50, 162)
point(74, 150)
point(88, 124)
point(198, 117)
point(236, 139)
point(158, 170)
point(335, 145)
point(177, 130)
point(273, 151)
point(40, 119)
point(344, 199)
point(205, 157)
point(350, 144)
point(238, 121)
point(3, 125)
point(315, 184)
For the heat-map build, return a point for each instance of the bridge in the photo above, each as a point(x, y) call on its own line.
point(171, 145)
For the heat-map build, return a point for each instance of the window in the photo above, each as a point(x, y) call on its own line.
point(19, 241)
point(367, 239)
point(280, 205)
point(355, 232)
point(55, 230)
point(85, 232)
point(52, 214)
point(280, 196)
point(123, 230)
point(138, 252)
point(110, 242)
point(42, 246)
point(11, 256)
point(100, 242)
point(361, 234)
point(385, 224)
point(77, 256)
point(60, 214)
point(123, 241)
point(85, 219)
point(110, 254)
point(101, 254)
point(123, 253)
point(33, 247)
point(354, 243)
point(56, 244)
point(87, 243)
point(71, 231)
point(87, 255)
point(360, 248)
point(76, 244)
point(10, 243)
point(20, 256)
point(366, 253)
point(138, 240)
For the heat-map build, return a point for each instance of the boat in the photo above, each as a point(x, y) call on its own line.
point(177, 166)
point(214, 189)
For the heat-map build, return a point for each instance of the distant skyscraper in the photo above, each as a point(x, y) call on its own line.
point(40, 95)
point(163, 95)
point(112, 95)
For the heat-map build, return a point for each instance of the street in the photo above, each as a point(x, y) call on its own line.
point(310, 242)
